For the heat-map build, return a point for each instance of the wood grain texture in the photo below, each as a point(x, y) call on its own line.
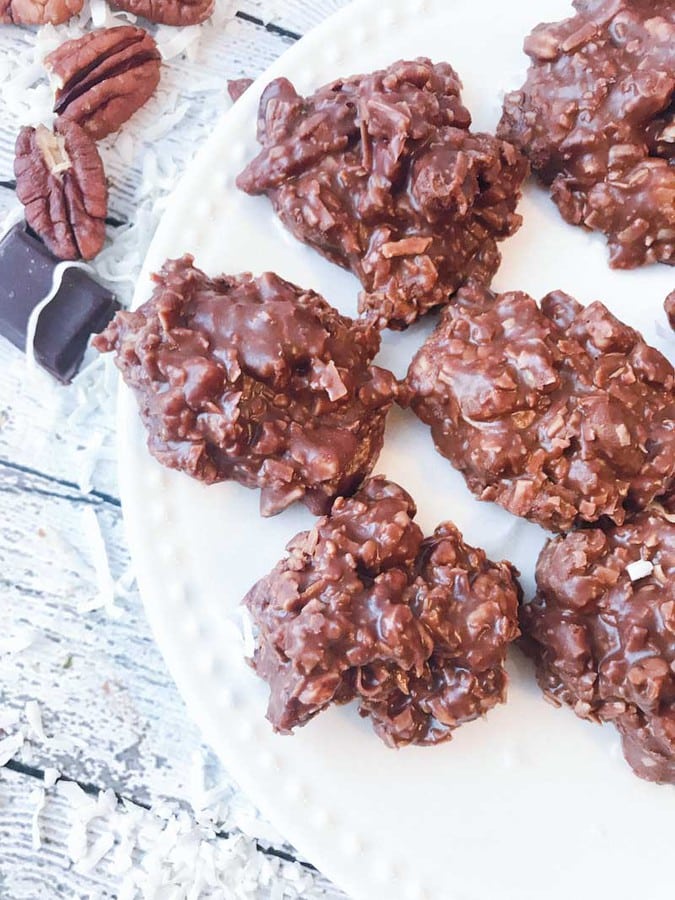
point(49, 874)
point(25, 873)
point(111, 714)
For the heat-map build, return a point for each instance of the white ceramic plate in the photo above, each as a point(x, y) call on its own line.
point(530, 803)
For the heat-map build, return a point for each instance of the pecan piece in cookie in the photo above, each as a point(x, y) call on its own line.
point(38, 12)
point(103, 77)
point(61, 182)
point(169, 12)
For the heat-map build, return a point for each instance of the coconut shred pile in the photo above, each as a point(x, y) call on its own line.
point(195, 848)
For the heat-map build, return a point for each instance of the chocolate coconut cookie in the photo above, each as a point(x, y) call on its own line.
point(601, 630)
point(364, 607)
point(254, 380)
point(381, 175)
point(596, 119)
point(560, 414)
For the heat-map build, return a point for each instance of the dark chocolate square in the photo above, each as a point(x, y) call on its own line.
point(80, 308)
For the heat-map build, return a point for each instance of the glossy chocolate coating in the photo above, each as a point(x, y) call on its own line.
point(364, 607)
point(380, 174)
point(560, 413)
point(254, 380)
point(596, 119)
point(603, 643)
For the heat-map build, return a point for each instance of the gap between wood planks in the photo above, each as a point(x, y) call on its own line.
point(93, 497)
point(268, 26)
point(38, 774)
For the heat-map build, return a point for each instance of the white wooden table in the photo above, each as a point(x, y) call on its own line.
point(84, 692)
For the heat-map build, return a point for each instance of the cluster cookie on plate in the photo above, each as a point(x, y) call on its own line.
point(563, 415)
point(255, 380)
point(365, 607)
point(381, 174)
point(595, 119)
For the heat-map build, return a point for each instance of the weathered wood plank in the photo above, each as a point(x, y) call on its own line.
point(107, 700)
point(23, 871)
point(111, 714)
point(41, 427)
point(295, 15)
point(49, 872)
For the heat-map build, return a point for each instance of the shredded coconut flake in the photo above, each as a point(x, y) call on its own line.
point(10, 746)
point(100, 848)
point(50, 777)
point(164, 853)
point(39, 798)
point(21, 640)
point(173, 42)
point(34, 719)
point(101, 564)
point(641, 568)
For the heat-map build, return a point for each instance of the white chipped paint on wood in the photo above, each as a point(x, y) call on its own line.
point(296, 15)
point(49, 874)
point(111, 714)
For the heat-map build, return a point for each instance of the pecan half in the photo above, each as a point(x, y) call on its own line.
point(61, 183)
point(38, 12)
point(169, 12)
point(102, 78)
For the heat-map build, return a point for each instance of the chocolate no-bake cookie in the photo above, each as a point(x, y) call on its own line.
point(364, 607)
point(380, 174)
point(601, 630)
point(254, 380)
point(596, 119)
point(561, 414)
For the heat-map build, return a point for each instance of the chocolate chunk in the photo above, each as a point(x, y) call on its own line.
point(254, 380)
point(596, 117)
point(561, 414)
point(80, 308)
point(669, 306)
point(237, 86)
point(363, 607)
point(381, 175)
point(601, 630)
